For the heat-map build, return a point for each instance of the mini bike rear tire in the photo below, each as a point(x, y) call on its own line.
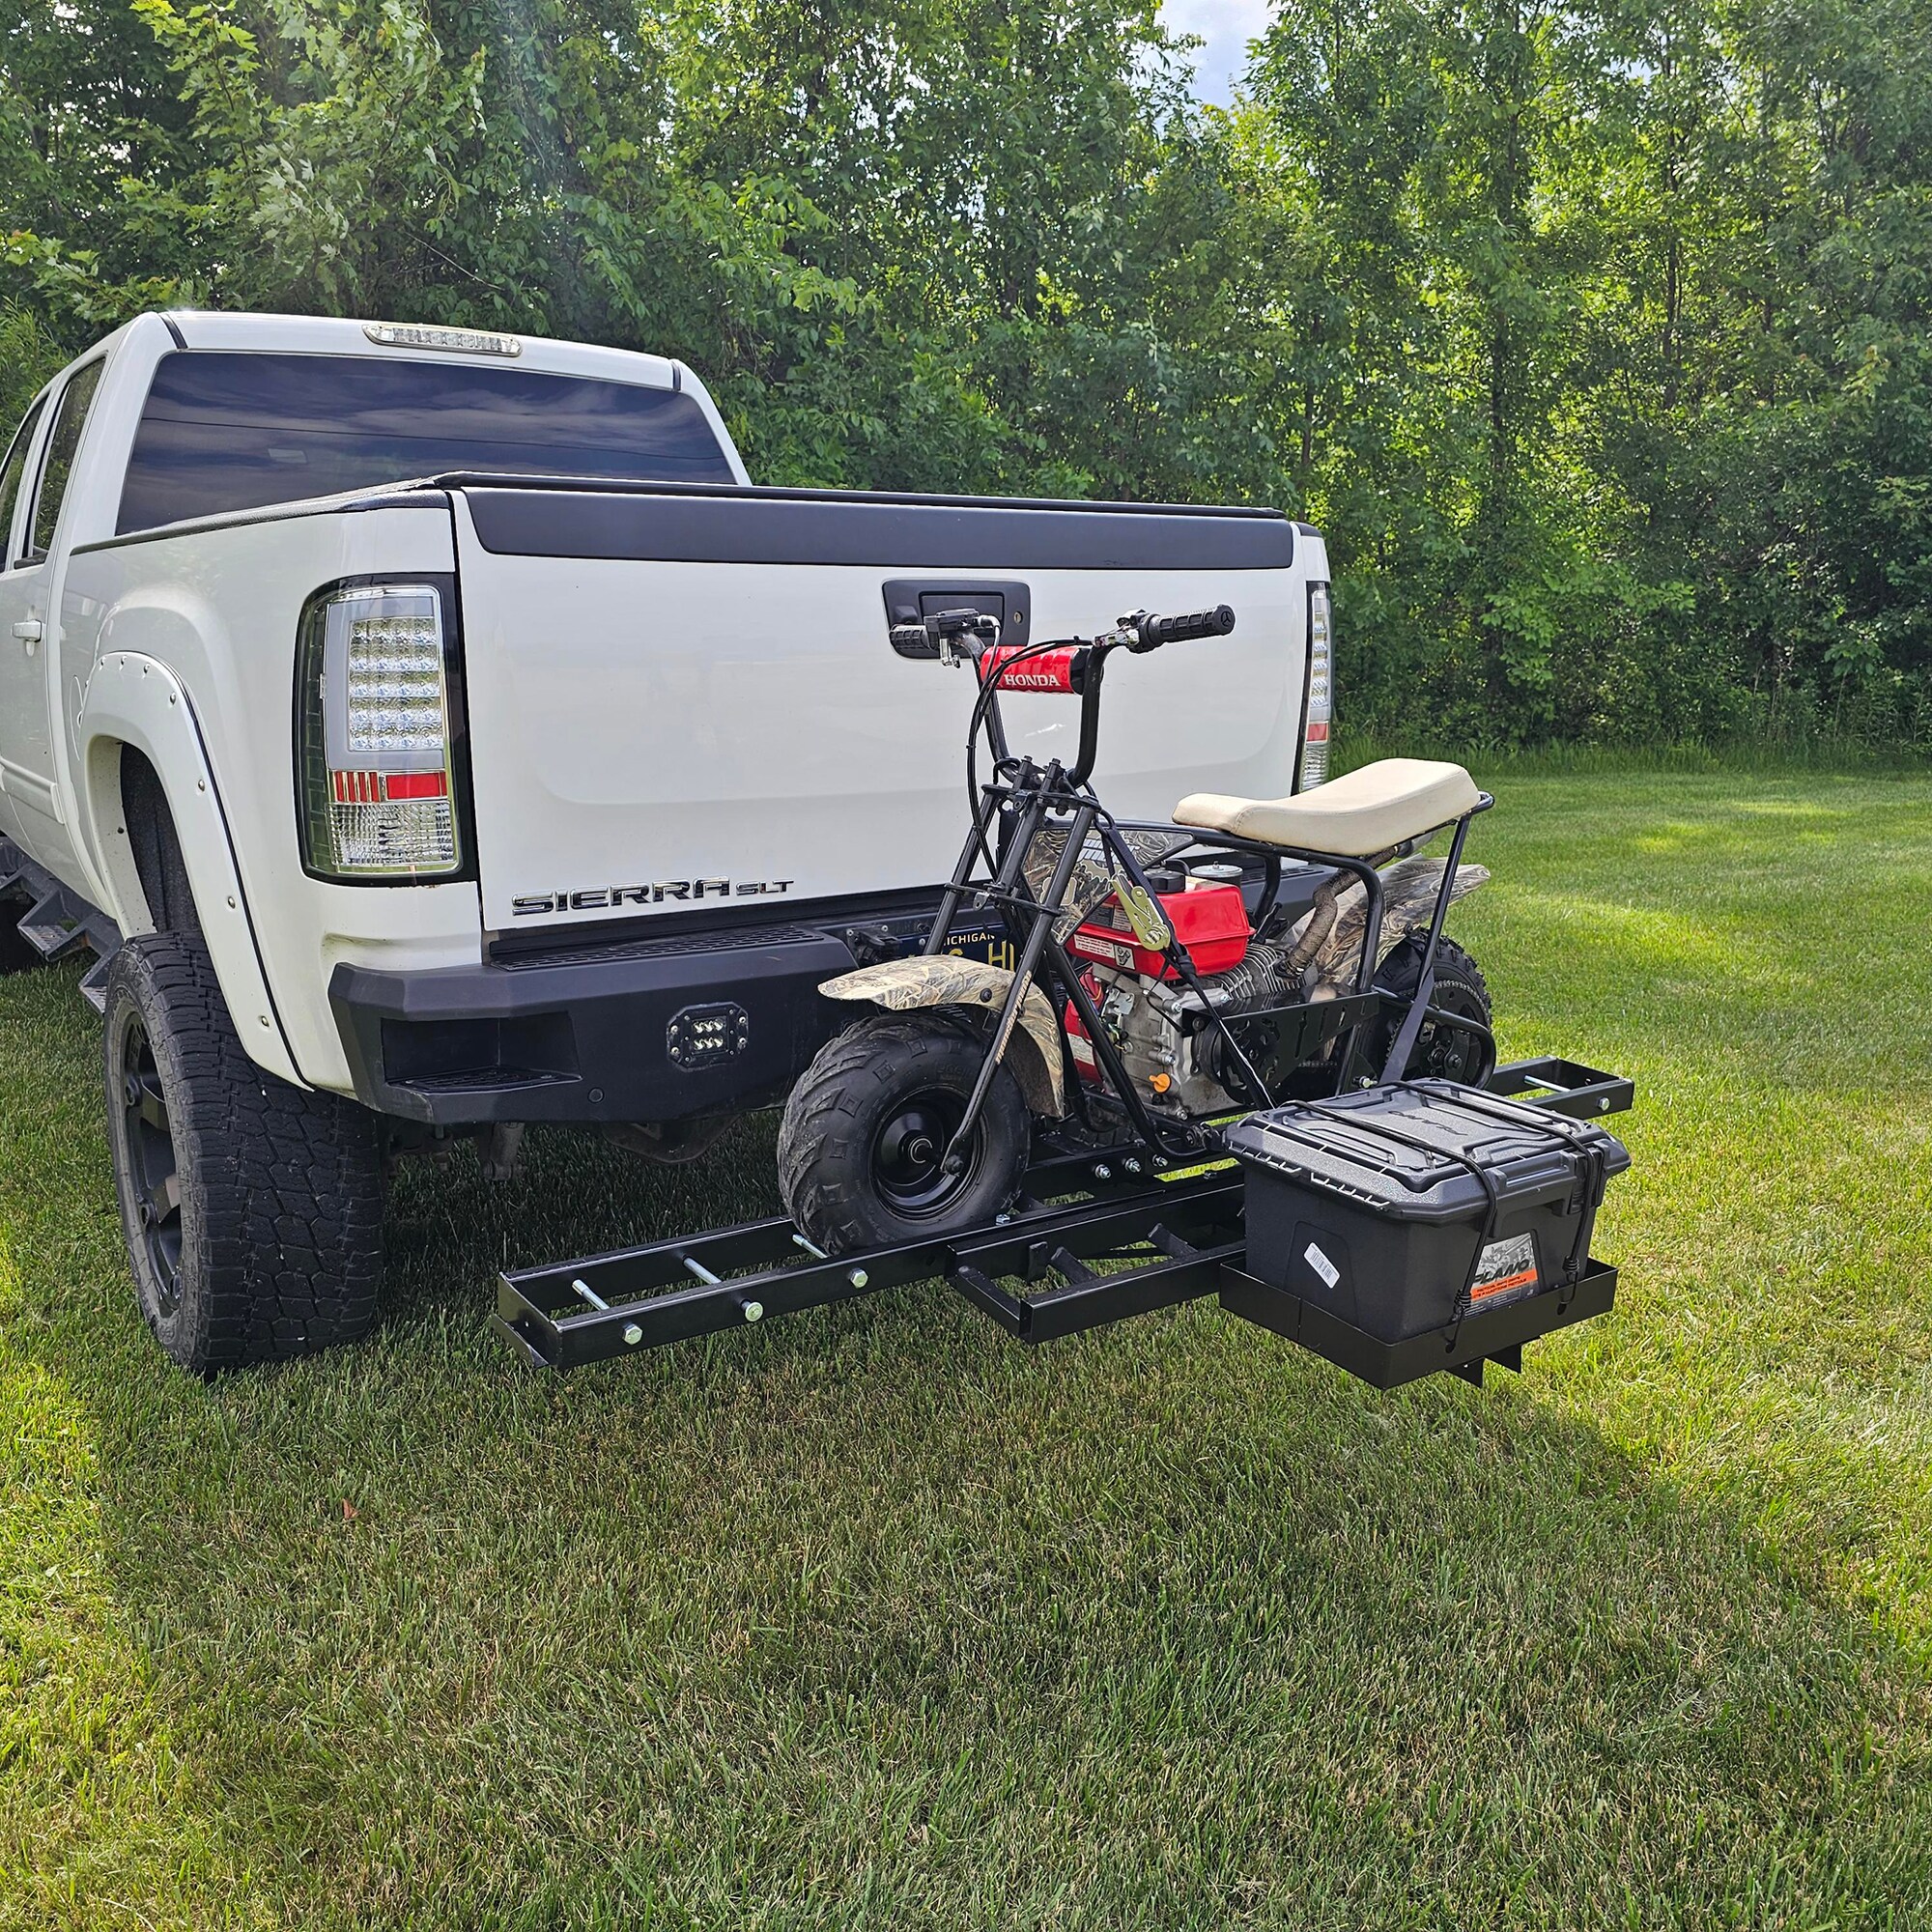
point(1459, 990)
point(860, 1148)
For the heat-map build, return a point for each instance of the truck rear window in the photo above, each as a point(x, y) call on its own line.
point(225, 431)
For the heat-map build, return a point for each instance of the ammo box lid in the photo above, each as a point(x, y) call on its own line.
point(1407, 1148)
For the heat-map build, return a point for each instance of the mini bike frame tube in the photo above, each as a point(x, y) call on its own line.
point(1410, 1029)
point(948, 900)
point(1018, 838)
point(1334, 861)
point(1096, 1033)
point(1178, 955)
point(1043, 916)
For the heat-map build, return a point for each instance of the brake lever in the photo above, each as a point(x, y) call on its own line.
point(961, 635)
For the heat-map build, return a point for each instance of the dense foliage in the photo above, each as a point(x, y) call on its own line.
point(1596, 337)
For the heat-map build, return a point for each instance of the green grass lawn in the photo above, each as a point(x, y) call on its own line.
point(871, 1618)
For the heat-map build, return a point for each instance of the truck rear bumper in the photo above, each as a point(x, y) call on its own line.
point(650, 1029)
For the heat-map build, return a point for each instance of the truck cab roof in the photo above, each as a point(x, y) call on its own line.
point(414, 342)
point(202, 413)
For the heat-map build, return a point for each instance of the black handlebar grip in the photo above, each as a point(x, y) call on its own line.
point(1157, 631)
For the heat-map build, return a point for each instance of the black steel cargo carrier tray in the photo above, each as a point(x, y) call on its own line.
point(1094, 1236)
point(1483, 1335)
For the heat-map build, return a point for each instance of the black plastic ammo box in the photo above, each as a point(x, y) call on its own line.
point(1402, 1208)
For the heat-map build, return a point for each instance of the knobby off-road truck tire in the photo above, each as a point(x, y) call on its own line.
point(252, 1210)
point(865, 1130)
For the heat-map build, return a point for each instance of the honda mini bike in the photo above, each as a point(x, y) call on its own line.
point(1166, 977)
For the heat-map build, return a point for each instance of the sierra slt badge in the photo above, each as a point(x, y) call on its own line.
point(613, 899)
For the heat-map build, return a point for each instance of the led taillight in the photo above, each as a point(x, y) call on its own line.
point(377, 774)
point(1319, 707)
point(381, 787)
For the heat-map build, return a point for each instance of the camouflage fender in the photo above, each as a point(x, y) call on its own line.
point(1409, 899)
point(942, 979)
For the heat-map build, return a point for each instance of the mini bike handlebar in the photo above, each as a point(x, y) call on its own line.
point(1152, 632)
point(1090, 720)
point(1140, 633)
point(1073, 664)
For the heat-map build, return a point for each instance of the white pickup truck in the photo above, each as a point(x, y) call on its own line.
point(423, 725)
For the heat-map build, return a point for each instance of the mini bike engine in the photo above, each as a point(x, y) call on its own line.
point(1186, 1071)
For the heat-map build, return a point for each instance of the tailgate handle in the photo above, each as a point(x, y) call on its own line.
point(911, 600)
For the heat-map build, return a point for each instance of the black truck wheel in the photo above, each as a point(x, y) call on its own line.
point(860, 1151)
point(1440, 1053)
point(252, 1210)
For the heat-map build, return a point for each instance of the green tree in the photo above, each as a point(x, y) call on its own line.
point(1594, 336)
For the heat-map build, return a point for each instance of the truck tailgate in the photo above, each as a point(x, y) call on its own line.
point(680, 697)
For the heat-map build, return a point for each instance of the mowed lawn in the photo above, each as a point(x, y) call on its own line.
point(872, 1618)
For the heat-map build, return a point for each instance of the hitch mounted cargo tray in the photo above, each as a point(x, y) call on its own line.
point(1095, 1236)
point(1484, 1335)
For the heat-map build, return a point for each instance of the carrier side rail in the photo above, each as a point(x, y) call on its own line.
point(1166, 1241)
point(1563, 1087)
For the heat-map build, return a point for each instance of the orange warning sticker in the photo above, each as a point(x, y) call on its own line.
point(1521, 1279)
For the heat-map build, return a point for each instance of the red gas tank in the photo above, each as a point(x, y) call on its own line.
point(1211, 923)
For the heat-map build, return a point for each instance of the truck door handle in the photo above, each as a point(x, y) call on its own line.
point(28, 630)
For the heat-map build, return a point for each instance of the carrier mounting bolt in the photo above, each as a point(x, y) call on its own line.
point(1131, 1165)
point(857, 1277)
point(1102, 1172)
point(754, 1311)
point(633, 1334)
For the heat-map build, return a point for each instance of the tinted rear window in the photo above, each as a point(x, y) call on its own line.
point(57, 466)
point(223, 431)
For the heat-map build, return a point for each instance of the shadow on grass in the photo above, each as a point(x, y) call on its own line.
point(870, 1617)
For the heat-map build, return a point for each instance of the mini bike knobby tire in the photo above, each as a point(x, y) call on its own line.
point(252, 1210)
point(865, 1130)
point(1460, 990)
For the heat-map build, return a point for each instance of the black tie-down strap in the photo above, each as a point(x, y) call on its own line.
point(1583, 1140)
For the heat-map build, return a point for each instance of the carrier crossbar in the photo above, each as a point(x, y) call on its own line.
point(1563, 1087)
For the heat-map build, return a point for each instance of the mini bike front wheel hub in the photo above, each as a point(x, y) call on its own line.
point(909, 1165)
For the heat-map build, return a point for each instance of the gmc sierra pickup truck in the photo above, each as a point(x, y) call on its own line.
point(430, 732)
